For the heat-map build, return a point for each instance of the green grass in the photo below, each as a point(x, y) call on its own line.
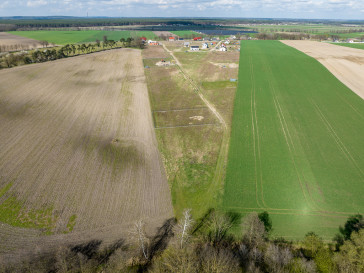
point(185, 33)
point(14, 212)
point(296, 145)
point(352, 45)
point(84, 36)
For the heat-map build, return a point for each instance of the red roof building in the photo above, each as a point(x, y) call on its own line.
point(143, 39)
point(197, 38)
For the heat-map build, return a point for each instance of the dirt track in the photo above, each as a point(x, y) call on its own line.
point(347, 64)
point(77, 139)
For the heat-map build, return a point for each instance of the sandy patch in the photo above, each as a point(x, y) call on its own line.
point(226, 65)
point(347, 64)
point(199, 118)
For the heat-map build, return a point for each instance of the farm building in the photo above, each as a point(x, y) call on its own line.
point(143, 39)
point(186, 44)
point(194, 48)
point(171, 39)
point(205, 46)
point(197, 39)
point(223, 48)
point(150, 42)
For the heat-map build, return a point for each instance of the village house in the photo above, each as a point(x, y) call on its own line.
point(197, 39)
point(205, 46)
point(186, 44)
point(171, 39)
point(194, 48)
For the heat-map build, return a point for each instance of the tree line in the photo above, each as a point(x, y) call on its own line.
point(69, 50)
point(216, 242)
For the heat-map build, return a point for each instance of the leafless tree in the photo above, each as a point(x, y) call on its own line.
point(184, 226)
point(139, 235)
point(218, 227)
point(253, 230)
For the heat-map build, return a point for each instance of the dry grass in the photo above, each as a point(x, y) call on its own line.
point(78, 149)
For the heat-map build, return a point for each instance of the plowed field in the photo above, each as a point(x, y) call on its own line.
point(78, 153)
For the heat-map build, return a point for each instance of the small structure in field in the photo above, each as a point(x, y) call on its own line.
point(205, 46)
point(150, 42)
point(197, 39)
point(171, 39)
point(194, 48)
point(350, 40)
point(186, 44)
point(143, 39)
point(222, 48)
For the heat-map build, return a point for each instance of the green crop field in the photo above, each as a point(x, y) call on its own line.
point(352, 45)
point(84, 36)
point(296, 146)
point(185, 33)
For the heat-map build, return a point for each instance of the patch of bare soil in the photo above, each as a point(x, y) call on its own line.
point(151, 52)
point(226, 65)
point(164, 33)
point(347, 64)
point(77, 138)
point(10, 42)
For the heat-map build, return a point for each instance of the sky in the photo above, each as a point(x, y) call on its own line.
point(305, 9)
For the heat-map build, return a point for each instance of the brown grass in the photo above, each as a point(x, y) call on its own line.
point(77, 137)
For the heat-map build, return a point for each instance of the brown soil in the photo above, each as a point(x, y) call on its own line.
point(11, 42)
point(77, 137)
point(347, 64)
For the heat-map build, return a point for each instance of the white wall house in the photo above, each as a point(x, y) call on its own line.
point(205, 46)
point(194, 48)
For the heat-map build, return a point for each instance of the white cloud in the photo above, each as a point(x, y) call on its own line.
point(36, 3)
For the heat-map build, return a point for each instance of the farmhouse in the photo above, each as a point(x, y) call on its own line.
point(197, 39)
point(194, 48)
point(171, 39)
point(222, 48)
point(205, 46)
point(143, 39)
point(186, 44)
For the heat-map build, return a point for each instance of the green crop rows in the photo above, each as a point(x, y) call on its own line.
point(296, 144)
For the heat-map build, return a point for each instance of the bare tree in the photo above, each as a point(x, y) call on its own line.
point(139, 235)
point(253, 230)
point(184, 227)
point(219, 225)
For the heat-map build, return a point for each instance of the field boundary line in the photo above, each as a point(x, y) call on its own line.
point(182, 109)
point(309, 213)
point(181, 126)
